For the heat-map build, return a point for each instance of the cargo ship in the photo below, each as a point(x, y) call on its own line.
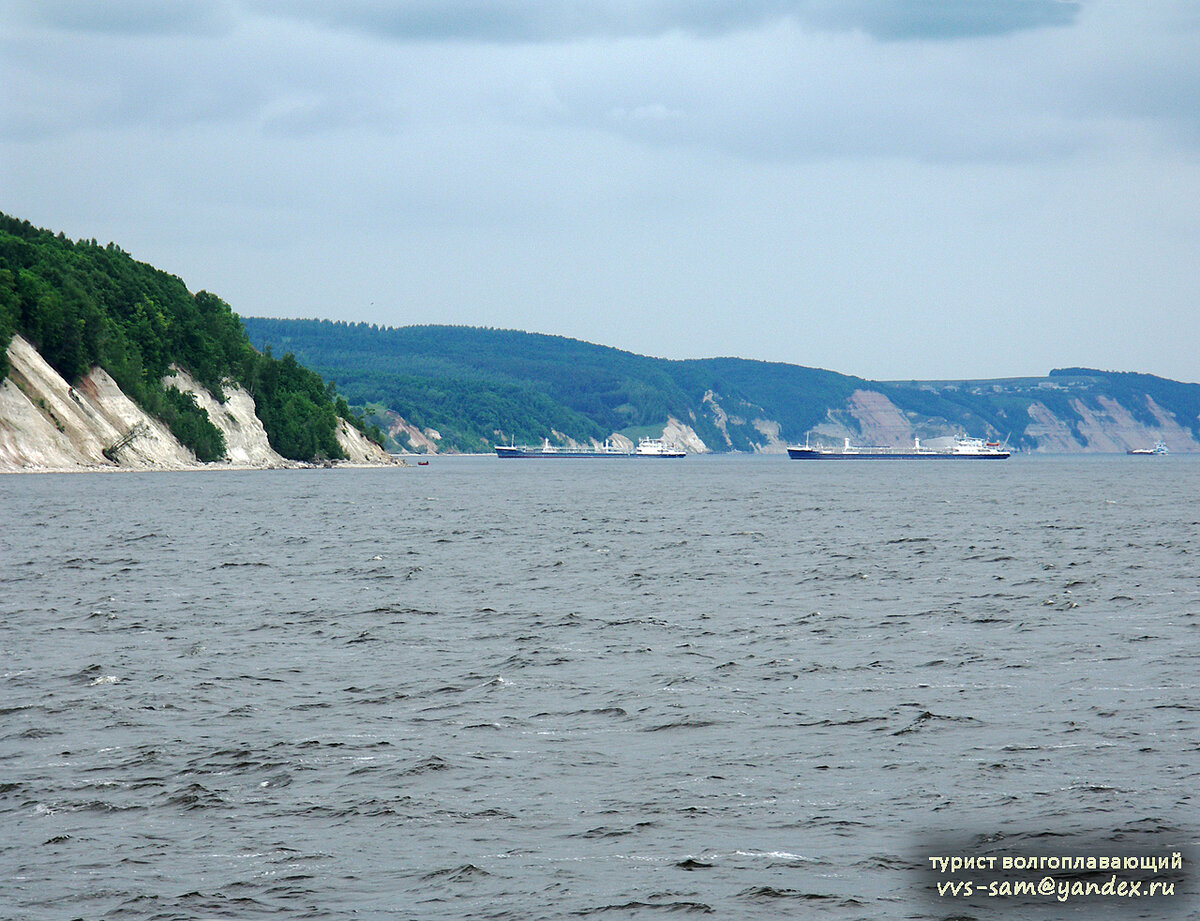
point(647, 447)
point(962, 448)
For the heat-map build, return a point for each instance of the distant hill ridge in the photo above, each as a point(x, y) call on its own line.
point(438, 388)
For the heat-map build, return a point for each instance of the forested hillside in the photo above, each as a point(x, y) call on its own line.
point(82, 304)
point(476, 386)
point(442, 388)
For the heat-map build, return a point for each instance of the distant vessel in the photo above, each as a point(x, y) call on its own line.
point(647, 447)
point(962, 448)
point(656, 447)
point(545, 449)
point(1160, 447)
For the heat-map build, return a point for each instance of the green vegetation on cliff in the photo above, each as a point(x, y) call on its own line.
point(82, 304)
point(478, 386)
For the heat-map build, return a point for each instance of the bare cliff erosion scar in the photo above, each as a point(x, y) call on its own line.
point(1102, 425)
point(1082, 423)
point(46, 424)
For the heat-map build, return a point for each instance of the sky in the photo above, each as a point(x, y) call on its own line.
point(896, 189)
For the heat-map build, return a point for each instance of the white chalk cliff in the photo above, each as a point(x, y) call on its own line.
point(47, 424)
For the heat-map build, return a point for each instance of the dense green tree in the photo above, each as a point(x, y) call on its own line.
point(475, 386)
point(191, 425)
point(82, 305)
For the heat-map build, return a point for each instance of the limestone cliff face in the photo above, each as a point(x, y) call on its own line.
point(245, 438)
point(720, 418)
point(678, 433)
point(674, 433)
point(772, 432)
point(46, 424)
point(1104, 426)
point(401, 431)
point(1111, 427)
point(1108, 427)
point(246, 441)
point(359, 449)
point(880, 421)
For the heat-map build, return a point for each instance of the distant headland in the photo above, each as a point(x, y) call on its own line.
point(109, 363)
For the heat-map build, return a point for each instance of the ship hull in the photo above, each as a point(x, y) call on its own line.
point(964, 448)
point(810, 454)
point(539, 454)
point(583, 455)
point(648, 447)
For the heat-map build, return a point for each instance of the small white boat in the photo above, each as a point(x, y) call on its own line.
point(1160, 448)
point(976, 447)
point(656, 447)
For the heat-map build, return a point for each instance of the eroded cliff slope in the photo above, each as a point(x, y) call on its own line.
point(48, 424)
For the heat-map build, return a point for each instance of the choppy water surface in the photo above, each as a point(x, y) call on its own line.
point(519, 690)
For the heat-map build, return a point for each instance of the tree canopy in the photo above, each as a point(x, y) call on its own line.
point(476, 386)
point(82, 304)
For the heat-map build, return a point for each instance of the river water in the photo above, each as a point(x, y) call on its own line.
point(733, 687)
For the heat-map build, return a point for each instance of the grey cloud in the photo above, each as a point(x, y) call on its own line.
point(787, 95)
point(902, 20)
point(129, 17)
point(505, 21)
point(558, 20)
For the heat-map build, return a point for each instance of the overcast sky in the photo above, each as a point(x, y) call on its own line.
point(888, 188)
